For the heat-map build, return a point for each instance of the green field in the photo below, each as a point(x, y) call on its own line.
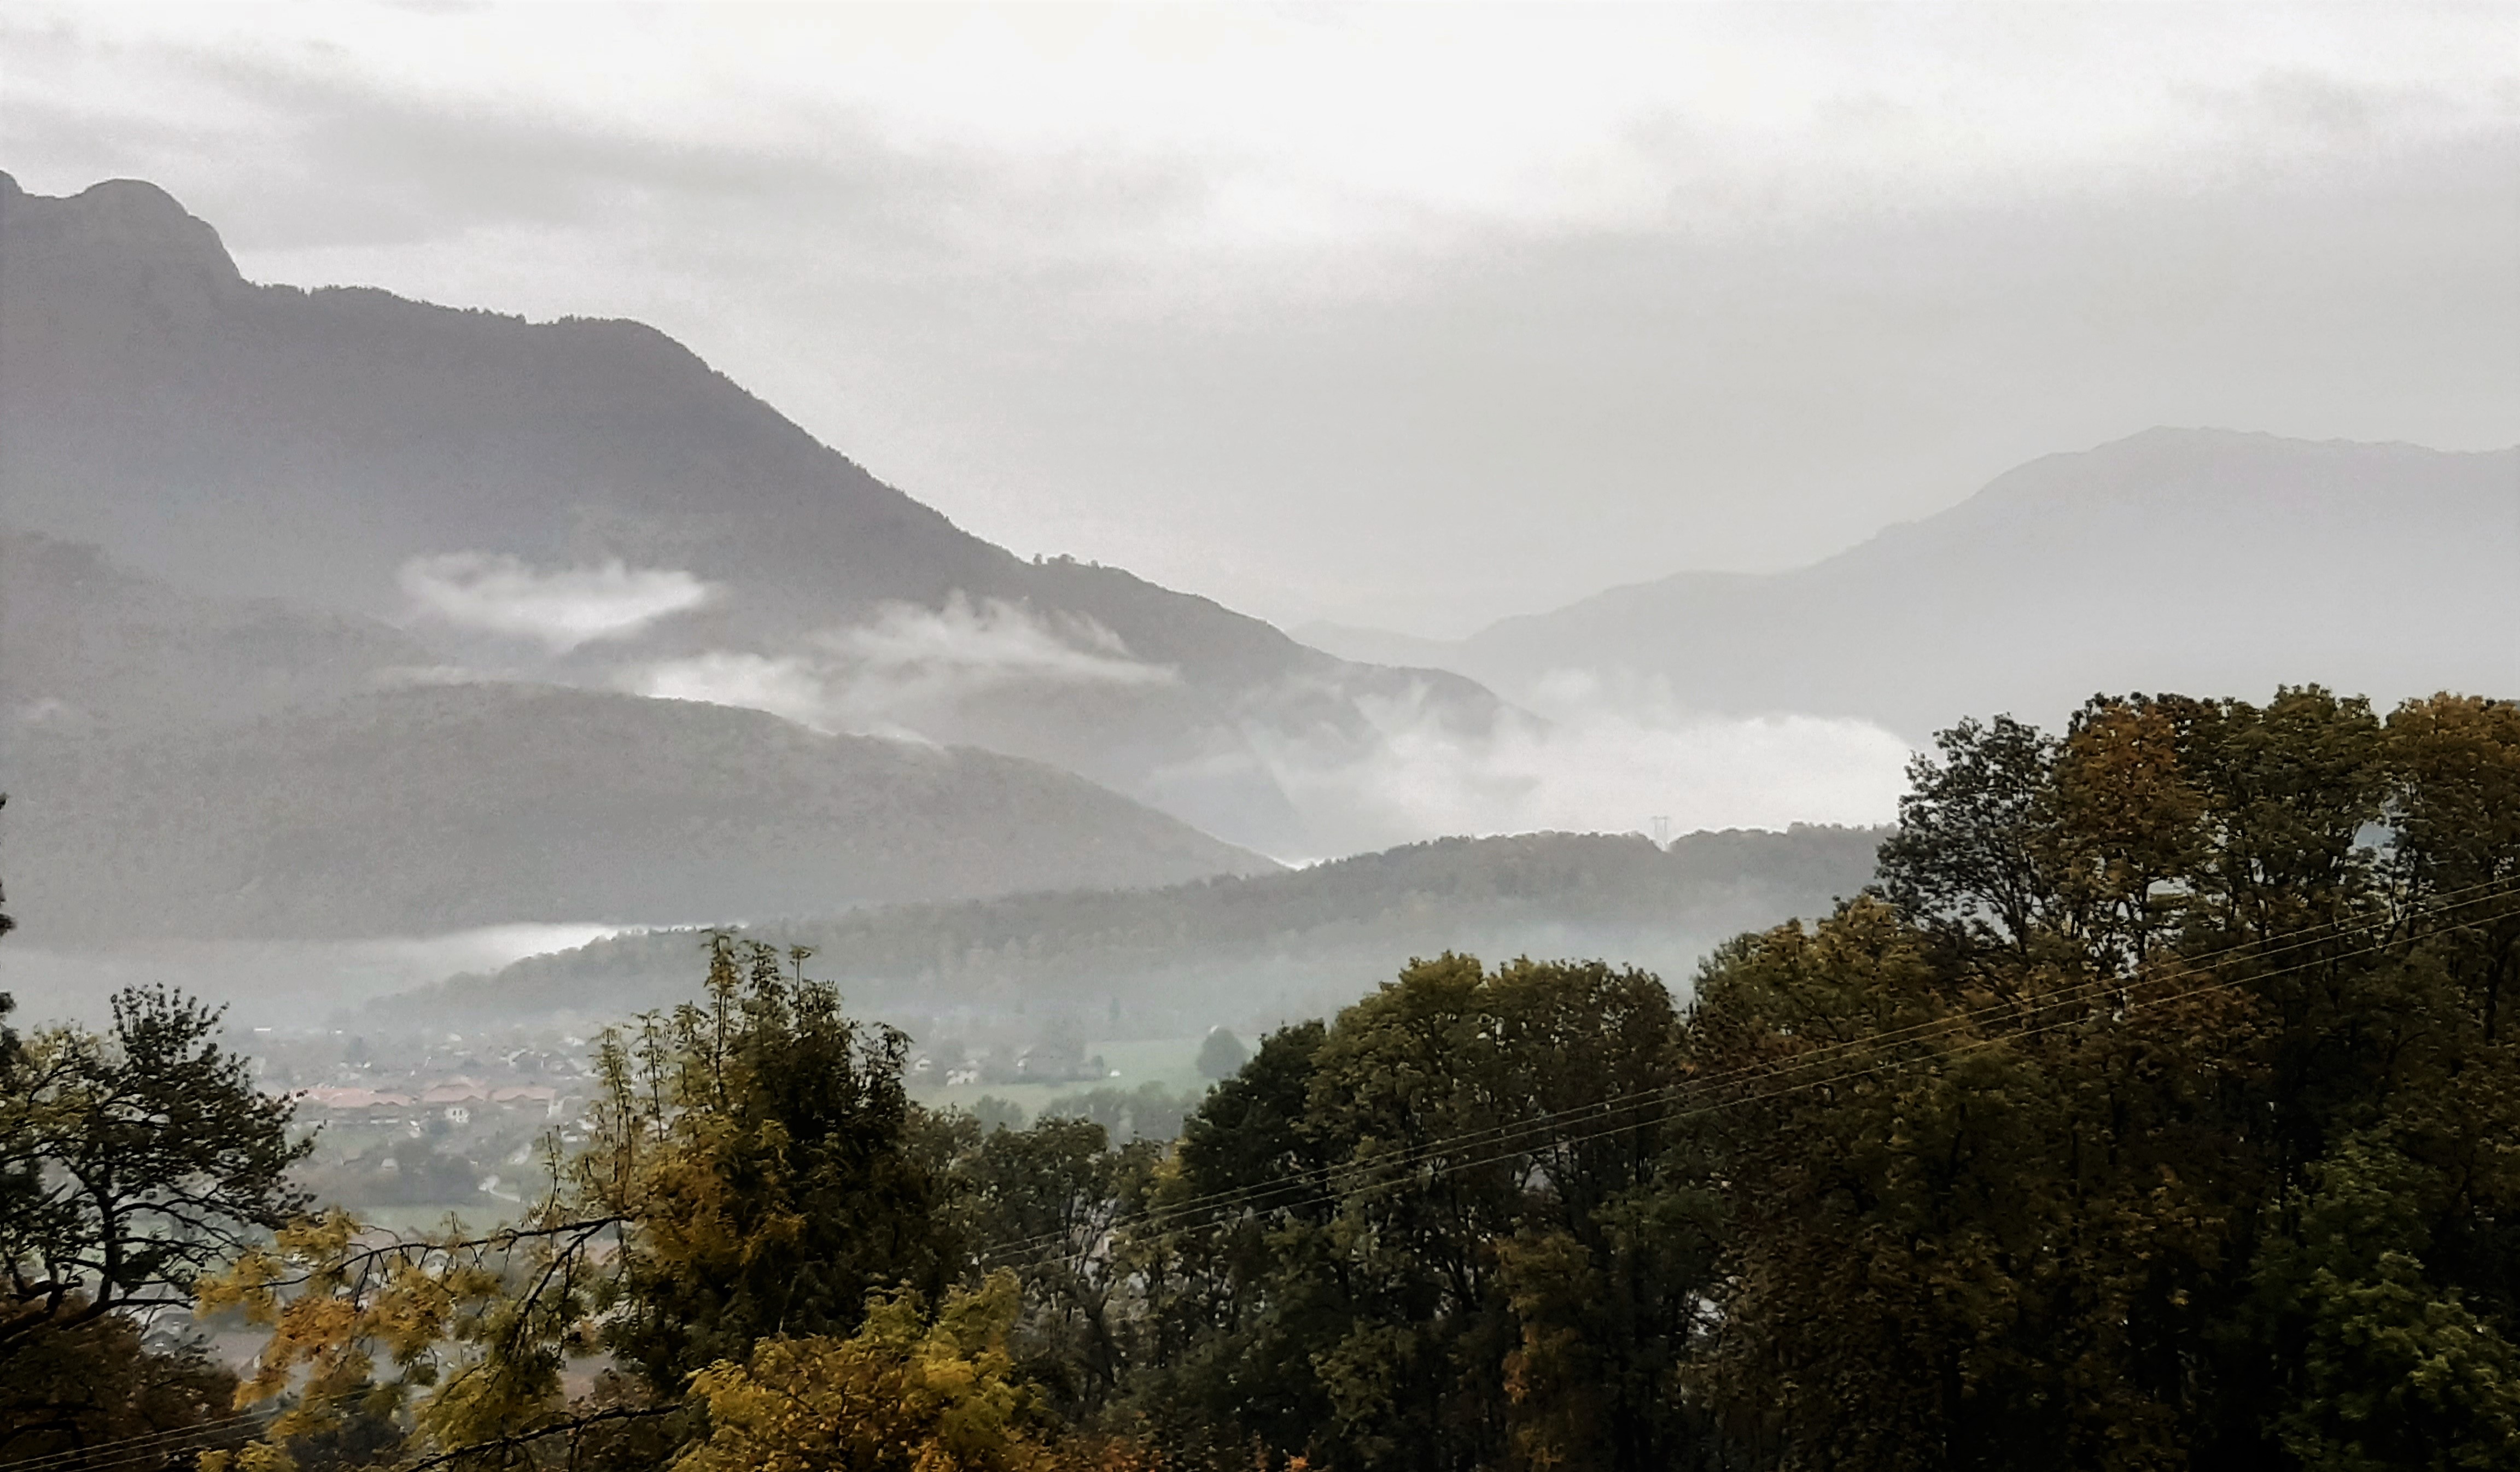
point(1172, 1062)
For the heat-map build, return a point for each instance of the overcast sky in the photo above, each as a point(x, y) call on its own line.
point(1410, 316)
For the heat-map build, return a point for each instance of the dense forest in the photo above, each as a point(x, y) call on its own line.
point(2157, 1105)
point(1185, 954)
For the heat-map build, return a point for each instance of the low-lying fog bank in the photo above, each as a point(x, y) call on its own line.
point(283, 986)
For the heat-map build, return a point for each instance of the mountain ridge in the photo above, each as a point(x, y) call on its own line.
point(250, 439)
point(2223, 561)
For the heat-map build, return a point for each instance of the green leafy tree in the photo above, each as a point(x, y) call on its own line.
point(1413, 1268)
point(2157, 1112)
point(2397, 1368)
point(131, 1164)
point(96, 1389)
point(1966, 857)
point(1221, 1056)
point(1048, 1202)
point(145, 1158)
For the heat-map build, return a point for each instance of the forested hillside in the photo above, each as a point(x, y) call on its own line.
point(433, 808)
point(1191, 955)
point(89, 646)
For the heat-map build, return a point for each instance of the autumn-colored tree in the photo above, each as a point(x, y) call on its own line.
point(910, 1392)
point(751, 1176)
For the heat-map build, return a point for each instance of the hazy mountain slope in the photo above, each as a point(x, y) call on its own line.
point(1197, 954)
point(2186, 559)
point(260, 440)
point(433, 809)
point(85, 643)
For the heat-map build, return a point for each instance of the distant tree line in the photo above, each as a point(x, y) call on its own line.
point(2158, 1106)
point(1219, 941)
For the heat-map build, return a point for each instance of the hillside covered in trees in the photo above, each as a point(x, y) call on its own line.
point(2154, 1106)
point(436, 807)
point(1190, 955)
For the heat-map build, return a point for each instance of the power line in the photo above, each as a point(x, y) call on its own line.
point(1320, 1183)
point(142, 1449)
point(164, 1443)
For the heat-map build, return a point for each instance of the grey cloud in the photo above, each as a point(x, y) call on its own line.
point(2323, 109)
point(904, 668)
point(1535, 418)
point(336, 163)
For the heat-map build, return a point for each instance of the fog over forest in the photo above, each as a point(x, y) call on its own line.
point(1196, 604)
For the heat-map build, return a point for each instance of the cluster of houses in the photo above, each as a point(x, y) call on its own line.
point(454, 1098)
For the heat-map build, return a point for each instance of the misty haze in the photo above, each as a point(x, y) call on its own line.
point(1191, 737)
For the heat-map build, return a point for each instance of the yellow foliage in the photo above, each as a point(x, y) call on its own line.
point(901, 1395)
point(254, 1457)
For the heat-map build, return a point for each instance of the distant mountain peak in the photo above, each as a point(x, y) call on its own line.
point(2199, 559)
point(121, 220)
point(2242, 468)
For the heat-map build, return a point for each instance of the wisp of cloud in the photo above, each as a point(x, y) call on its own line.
point(560, 607)
point(878, 677)
point(1597, 758)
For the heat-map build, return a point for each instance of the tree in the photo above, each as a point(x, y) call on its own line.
point(1962, 1217)
point(2397, 1368)
point(757, 1152)
point(1047, 1203)
point(752, 1177)
point(910, 1392)
point(1442, 1241)
point(2155, 1109)
point(1221, 1056)
point(131, 1165)
point(22, 1186)
point(1966, 857)
point(108, 1381)
point(147, 1158)
point(6, 923)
